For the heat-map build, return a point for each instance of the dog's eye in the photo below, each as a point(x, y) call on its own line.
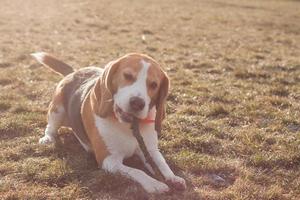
point(128, 76)
point(153, 85)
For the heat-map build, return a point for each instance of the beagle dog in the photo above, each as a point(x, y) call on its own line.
point(99, 104)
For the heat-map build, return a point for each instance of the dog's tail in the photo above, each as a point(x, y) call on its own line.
point(53, 63)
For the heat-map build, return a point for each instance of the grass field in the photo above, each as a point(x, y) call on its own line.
point(233, 124)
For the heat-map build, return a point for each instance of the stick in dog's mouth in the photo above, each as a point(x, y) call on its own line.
point(139, 138)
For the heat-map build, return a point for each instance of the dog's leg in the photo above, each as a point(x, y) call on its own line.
point(171, 178)
point(114, 164)
point(151, 142)
point(56, 116)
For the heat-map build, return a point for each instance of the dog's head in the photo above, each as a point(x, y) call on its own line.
point(131, 86)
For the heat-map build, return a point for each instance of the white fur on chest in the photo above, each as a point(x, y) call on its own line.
point(119, 139)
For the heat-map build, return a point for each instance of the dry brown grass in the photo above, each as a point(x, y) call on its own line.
point(233, 128)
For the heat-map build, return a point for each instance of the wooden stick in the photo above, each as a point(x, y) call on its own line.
point(149, 160)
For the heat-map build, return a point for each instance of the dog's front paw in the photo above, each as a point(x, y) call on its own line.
point(46, 140)
point(156, 187)
point(176, 182)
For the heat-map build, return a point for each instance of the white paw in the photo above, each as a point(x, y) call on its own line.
point(46, 140)
point(156, 187)
point(176, 182)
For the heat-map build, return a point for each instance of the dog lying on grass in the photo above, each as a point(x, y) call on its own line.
point(99, 105)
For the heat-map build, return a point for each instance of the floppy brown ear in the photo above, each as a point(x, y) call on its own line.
point(101, 94)
point(161, 103)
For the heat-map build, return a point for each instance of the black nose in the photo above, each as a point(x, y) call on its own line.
point(136, 103)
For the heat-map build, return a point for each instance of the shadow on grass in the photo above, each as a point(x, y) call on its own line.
point(99, 183)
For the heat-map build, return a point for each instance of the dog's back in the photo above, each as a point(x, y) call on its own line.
point(73, 89)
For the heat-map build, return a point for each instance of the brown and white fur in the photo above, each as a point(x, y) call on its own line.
point(98, 104)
